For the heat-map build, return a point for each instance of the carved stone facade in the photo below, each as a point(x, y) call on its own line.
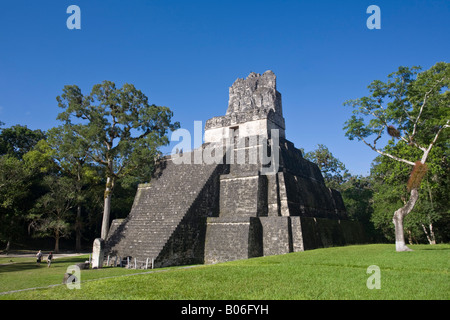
point(254, 107)
point(235, 208)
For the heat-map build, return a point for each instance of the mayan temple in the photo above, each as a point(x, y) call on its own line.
point(246, 192)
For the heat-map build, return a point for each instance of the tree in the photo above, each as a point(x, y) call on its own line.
point(122, 130)
point(413, 108)
point(356, 191)
point(52, 212)
point(18, 140)
point(427, 223)
point(333, 170)
point(71, 156)
point(66, 155)
point(357, 194)
point(15, 185)
point(17, 180)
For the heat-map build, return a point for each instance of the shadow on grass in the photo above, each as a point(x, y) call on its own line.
point(32, 265)
point(432, 248)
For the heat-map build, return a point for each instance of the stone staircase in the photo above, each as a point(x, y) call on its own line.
point(158, 209)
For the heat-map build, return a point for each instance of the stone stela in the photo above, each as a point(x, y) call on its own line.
point(193, 213)
point(98, 253)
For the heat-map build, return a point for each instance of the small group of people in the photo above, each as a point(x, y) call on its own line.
point(39, 258)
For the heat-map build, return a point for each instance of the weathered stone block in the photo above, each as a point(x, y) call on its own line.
point(98, 253)
point(254, 108)
point(277, 238)
point(232, 238)
point(243, 195)
point(83, 265)
point(256, 92)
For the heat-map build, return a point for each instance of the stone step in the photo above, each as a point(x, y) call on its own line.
point(159, 208)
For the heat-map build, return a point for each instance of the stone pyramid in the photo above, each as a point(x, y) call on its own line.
point(258, 197)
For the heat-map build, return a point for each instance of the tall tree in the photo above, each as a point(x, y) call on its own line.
point(52, 212)
point(66, 155)
point(122, 130)
point(413, 108)
point(333, 170)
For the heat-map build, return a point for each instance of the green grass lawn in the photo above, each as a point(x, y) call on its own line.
point(331, 273)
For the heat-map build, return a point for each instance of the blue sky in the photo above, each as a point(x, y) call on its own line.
point(186, 54)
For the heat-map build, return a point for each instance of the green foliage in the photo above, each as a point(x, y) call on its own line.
point(19, 188)
point(413, 103)
point(15, 185)
point(18, 140)
point(412, 107)
point(17, 179)
point(14, 182)
point(333, 170)
point(115, 128)
point(118, 126)
point(356, 191)
point(50, 182)
point(51, 215)
point(390, 192)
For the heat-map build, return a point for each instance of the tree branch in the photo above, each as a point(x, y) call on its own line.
point(96, 158)
point(413, 143)
point(427, 151)
point(422, 107)
point(146, 133)
point(387, 154)
point(378, 137)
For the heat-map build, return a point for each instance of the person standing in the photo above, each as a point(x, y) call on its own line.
point(38, 258)
point(49, 259)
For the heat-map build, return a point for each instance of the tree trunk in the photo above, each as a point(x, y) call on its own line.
point(426, 233)
point(399, 215)
point(56, 242)
point(410, 238)
point(8, 244)
point(107, 207)
point(78, 230)
point(78, 225)
point(433, 238)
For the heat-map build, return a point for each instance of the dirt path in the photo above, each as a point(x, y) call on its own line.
point(44, 254)
point(32, 255)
